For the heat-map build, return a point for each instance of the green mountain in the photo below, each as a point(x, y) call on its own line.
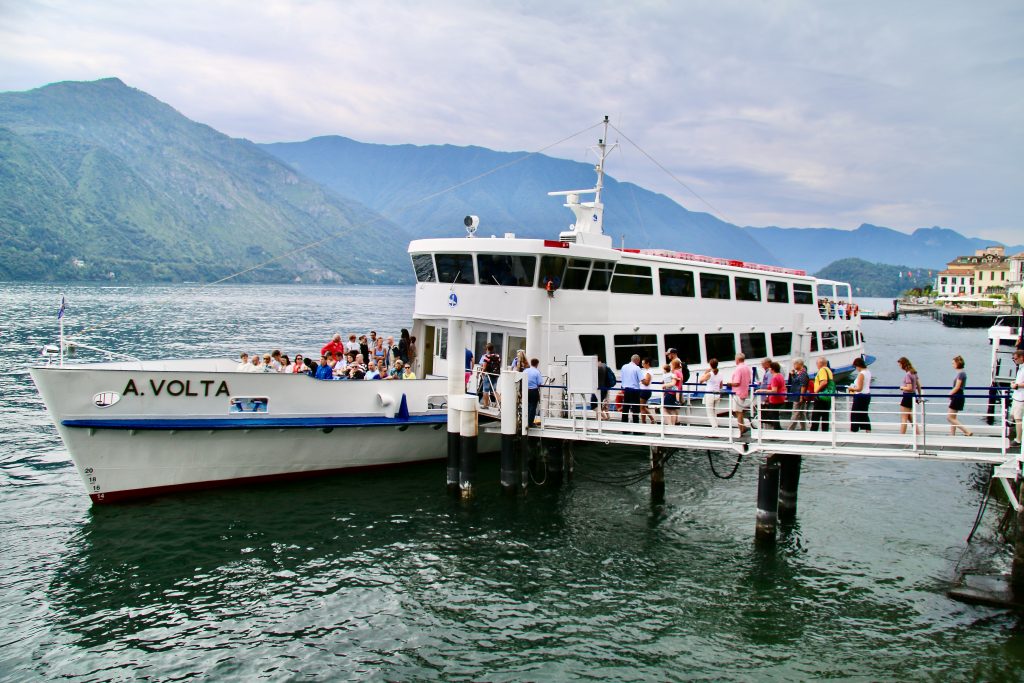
point(508, 192)
point(877, 279)
point(99, 180)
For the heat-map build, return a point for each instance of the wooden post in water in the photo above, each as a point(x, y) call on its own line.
point(1017, 567)
point(767, 503)
point(456, 387)
point(554, 460)
point(657, 475)
point(789, 483)
point(509, 389)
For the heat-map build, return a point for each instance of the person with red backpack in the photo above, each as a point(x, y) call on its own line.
point(490, 370)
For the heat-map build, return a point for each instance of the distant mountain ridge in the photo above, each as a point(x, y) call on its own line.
point(392, 179)
point(101, 180)
point(814, 248)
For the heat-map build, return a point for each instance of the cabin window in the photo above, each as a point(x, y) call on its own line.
point(644, 345)
point(847, 339)
point(495, 338)
point(506, 270)
point(714, 286)
point(777, 292)
point(814, 342)
point(423, 264)
point(829, 340)
point(441, 343)
point(721, 346)
point(576, 274)
point(748, 289)
point(802, 294)
point(826, 291)
point(782, 343)
point(600, 276)
point(593, 345)
point(630, 279)
point(686, 345)
point(551, 270)
point(455, 268)
point(843, 292)
point(676, 282)
point(753, 344)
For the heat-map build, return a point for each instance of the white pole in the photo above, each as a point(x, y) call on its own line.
point(60, 321)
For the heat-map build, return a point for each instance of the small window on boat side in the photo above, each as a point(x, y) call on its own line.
point(423, 264)
point(676, 282)
point(455, 268)
point(576, 274)
point(552, 268)
point(782, 343)
point(629, 279)
point(721, 346)
point(601, 276)
point(847, 339)
point(687, 346)
point(593, 345)
point(644, 345)
point(843, 292)
point(713, 286)
point(802, 294)
point(777, 292)
point(248, 404)
point(506, 270)
point(753, 345)
point(827, 291)
point(814, 342)
point(748, 289)
point(829, 340)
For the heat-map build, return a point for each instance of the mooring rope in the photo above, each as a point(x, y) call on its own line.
point(735, 468)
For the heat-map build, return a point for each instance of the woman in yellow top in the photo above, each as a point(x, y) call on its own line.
point(822, 403)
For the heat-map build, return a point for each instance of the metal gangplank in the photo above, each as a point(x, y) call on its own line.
point(573, 417)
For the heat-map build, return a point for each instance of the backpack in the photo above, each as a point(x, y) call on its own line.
point(830, 388)
point(609, 377)
point(492, 364)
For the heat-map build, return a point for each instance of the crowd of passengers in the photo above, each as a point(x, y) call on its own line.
point(365, 357)
point(837, 309)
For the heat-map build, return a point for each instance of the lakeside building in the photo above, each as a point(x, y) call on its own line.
point(987, 271)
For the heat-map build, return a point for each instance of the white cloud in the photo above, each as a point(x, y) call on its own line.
point(792, 113)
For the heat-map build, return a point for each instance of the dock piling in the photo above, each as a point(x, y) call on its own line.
point(767, 503)
point(555, 461)
point(468, 426)
point(456, 388)
point(657, 475)
point(789, 484)
point(509, 404)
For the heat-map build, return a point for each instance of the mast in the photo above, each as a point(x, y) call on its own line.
point(588, 228)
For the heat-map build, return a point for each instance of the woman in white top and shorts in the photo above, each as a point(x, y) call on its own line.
point(712, 381)
point(861, 390)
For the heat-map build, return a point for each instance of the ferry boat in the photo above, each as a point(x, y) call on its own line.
point(141, 428)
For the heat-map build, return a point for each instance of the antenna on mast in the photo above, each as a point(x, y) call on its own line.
point(588, 228)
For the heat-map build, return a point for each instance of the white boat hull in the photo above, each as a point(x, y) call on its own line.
point(135, 430)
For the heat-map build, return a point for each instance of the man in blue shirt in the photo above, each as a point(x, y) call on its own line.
point(533, 382)
point(631, 376)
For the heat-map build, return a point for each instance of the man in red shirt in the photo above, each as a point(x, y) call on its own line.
point(334, 346)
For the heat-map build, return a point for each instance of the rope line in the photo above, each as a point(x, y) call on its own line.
point(735, 468)
point(377, 219)
point(672, 175)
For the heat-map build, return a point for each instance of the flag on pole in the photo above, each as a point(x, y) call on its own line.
point(60, 313)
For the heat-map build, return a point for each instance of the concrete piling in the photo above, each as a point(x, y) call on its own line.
point(456, 387)
point(467, 444)
point(767, 503)
point(555, 462)
point(509, 403)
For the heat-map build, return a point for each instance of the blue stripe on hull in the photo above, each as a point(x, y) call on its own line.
point(254, 423)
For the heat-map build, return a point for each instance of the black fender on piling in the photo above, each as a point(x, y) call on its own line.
point(453, 462)
point(767, 503)
point(657, 475)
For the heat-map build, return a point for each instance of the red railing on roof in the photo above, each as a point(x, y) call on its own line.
point(698, 258)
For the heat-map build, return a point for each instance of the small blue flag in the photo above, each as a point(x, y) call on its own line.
point(60, 313)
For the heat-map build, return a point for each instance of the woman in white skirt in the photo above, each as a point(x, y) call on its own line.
point(712, 391)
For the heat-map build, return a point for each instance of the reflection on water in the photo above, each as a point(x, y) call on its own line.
point(384, 576)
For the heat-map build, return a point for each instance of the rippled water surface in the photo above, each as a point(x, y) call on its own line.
point(382, 576)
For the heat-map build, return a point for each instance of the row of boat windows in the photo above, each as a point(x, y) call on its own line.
point(723, 346)
point(516, 270)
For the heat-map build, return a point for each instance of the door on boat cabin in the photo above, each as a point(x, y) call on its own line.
point(427, 354)
point(439, 349)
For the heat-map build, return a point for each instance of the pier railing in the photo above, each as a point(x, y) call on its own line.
point(921, 430)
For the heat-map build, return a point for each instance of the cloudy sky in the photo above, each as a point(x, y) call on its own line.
point(903, 114)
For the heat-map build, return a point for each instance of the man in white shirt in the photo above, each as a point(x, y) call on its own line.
point(243, 366)
point(1017, 399)
point(352, 344)
point(630, 378)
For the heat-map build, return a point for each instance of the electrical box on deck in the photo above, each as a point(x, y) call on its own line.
point(581, 377)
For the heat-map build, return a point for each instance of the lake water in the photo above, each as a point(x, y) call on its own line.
point(384, 577)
